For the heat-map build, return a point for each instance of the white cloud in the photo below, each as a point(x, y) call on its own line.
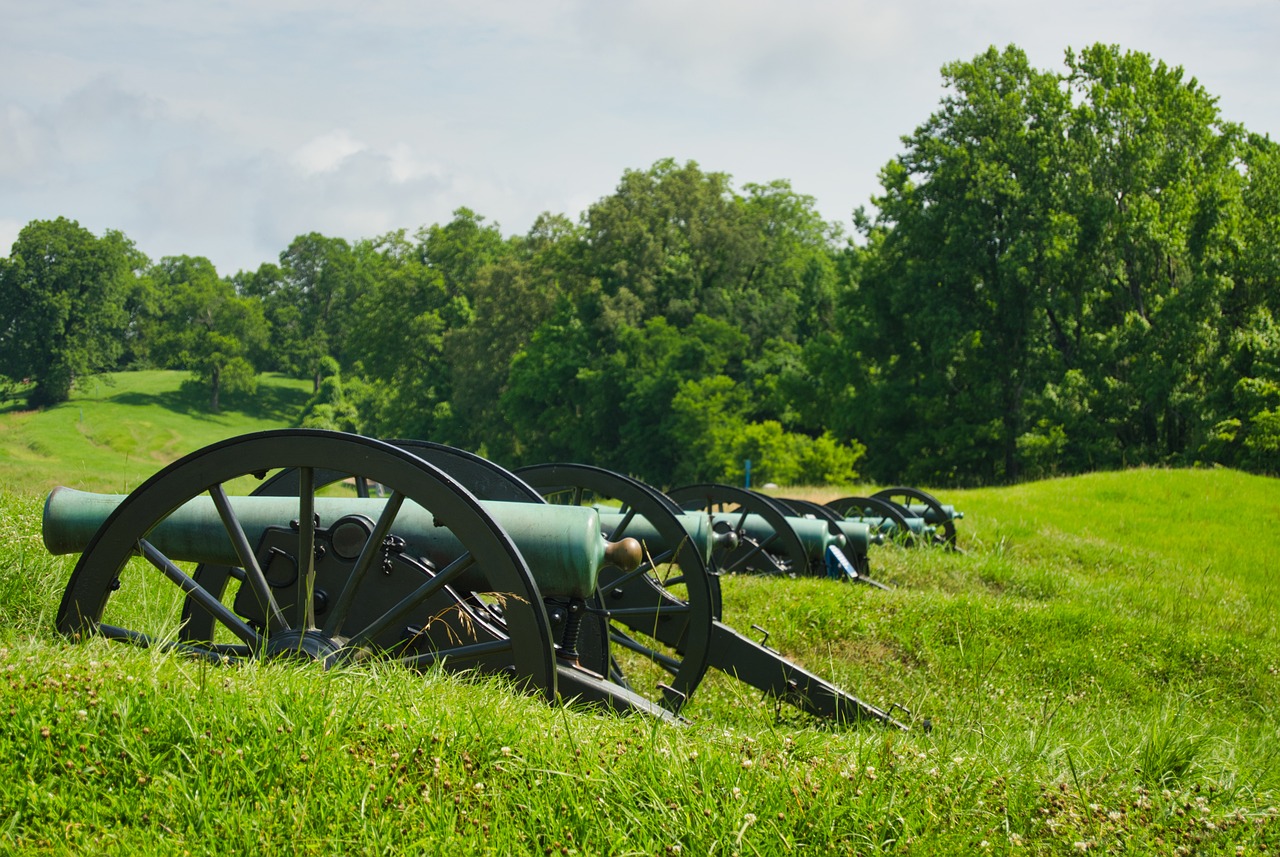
point(227, 128)
point(25, 143)
point(406, 165)
point(751, 45)
point(325, 153)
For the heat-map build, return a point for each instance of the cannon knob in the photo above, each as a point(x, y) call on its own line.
point(626, 554)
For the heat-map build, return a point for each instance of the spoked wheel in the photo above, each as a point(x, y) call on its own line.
point(774, 549)
point(809, 508)
point(479, 613)
point(322, 583)
point(660, 614)
point(484, 479)
point(926, 506)
point(859, 537)
point(897, 518)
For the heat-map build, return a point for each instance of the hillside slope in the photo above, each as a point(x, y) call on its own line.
point(1100, 666)
point(120, 429)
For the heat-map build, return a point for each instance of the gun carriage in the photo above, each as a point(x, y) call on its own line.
point(668, 533)
point(426, 575)
point(907, 515)
point(274, 545)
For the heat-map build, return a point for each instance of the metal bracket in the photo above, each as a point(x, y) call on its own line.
point(764, 641)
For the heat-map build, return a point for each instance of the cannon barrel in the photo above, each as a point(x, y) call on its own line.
point(939, 515)
point(561, 544)
point(913, 517)
point(815, 535)
point(888, 527)
point(696, 527)
point(858, 537)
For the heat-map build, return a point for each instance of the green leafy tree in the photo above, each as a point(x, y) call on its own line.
point(399, 322)
point(306, 300)
point(653, 364)
point(549, 394)
point(330, 408)
point(676, 241)
point(206, 328)
point(266, 286)
point(1042, 275)
point(670, 237)
point(413, 293)
point(510, 298)
point(675, 281)
point(62, 306)
point(790, 292)
point(707, 421)
point(1154, 192)
point(461, 249)
point(1243, 394)
point(969, 230)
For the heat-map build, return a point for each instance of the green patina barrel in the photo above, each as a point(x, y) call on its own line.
point(561, 544)
point(889, 527)
point(814, 535)
point(857, 537)
point(697, 527)
point(939, 515)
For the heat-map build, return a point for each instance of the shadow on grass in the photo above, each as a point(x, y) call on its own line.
point(13, 396)
point(271, 403)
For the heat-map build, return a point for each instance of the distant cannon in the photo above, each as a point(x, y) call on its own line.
point(902, 510)
point(776, 538)
point(675, 544)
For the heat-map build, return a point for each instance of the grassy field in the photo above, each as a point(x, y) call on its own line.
point(1101, 668)
point(122, 428)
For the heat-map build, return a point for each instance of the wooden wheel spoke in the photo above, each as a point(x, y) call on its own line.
point(199, 594)
point(368, 554)
point(248, 560)
point(410, 602)
point(306, 556)
point(620, 530)
point(668, 663)
point(756, 548)
point(643, 569)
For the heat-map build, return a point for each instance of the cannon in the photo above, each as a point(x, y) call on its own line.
point(426, 575)
point(677, 548)
point(941, 515)
point(338, 548)
point(893, 523)
point(776, 538)
point(563, 544)
point(929, 520)
point(666, 613)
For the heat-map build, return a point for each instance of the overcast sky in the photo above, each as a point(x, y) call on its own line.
point(224, 128)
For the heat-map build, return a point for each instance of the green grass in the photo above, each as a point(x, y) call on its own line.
point(119, 429)
point(1101, 668)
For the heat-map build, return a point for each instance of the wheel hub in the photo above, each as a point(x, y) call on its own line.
point(309, 645)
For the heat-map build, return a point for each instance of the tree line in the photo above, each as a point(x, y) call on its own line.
point(1065, 271)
